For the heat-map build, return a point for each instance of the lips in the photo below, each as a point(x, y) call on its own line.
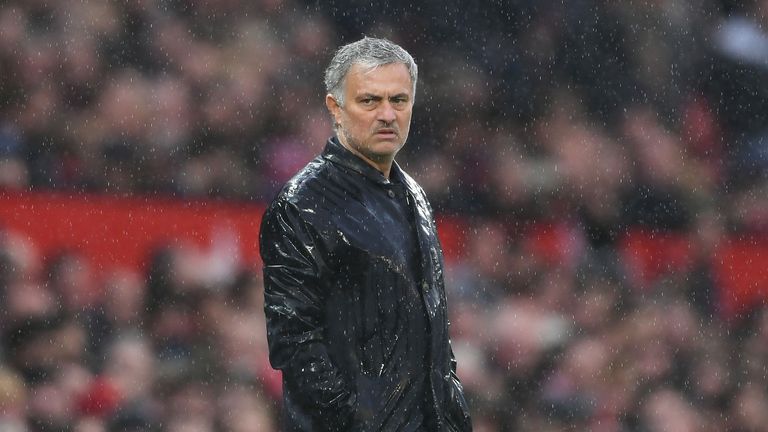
point(386, 132)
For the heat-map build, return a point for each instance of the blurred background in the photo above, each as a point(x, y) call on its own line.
point(598, 170)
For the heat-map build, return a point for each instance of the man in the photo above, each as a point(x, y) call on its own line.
point(353, 271)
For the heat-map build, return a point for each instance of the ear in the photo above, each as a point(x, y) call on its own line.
point(333, 107)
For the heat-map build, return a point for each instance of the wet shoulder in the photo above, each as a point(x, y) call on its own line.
point(415, 189)
point(304, 184)
point(320, 187)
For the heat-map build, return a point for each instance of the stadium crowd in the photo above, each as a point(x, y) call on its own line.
point(595, 116)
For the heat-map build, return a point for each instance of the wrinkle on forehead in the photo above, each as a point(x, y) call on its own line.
point(366, 69)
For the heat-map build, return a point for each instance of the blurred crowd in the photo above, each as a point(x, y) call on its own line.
point(593, 115)
point(181, 348)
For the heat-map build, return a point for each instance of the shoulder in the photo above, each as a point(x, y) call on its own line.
point(314, 193)
point(308, 186)
point(414, 187)
point(422, 202)
point(299, 191)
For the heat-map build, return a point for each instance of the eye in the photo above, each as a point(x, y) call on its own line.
point(367, 101)
point(399, 101)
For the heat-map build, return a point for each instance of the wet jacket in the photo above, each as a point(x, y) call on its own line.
point(330, 272)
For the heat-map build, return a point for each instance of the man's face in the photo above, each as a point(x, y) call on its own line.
point(376, 116)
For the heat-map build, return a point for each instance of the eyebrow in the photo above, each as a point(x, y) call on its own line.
point(374, 96)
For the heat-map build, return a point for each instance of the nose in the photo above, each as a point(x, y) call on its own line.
point(386, 113)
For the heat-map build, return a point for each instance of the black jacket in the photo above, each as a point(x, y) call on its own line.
point(329, 270)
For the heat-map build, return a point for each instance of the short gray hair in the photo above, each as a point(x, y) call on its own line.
point(368, 52)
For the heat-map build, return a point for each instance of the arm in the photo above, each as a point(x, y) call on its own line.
point(293, 303)
point(458, 411)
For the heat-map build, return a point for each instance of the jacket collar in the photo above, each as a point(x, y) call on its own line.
point(337, 153)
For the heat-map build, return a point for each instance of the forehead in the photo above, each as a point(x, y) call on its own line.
point(390, 78)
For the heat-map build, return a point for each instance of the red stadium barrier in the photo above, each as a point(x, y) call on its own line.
point(122, 231)
point(650, 254)
point(741, 268)
point(112, 231)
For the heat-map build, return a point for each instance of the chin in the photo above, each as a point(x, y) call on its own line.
point(394, 143)
point(387, 150)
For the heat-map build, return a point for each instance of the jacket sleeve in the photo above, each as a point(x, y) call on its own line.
point(293, 303)
point(458, 410)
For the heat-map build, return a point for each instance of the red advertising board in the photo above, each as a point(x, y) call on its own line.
point(123, 231)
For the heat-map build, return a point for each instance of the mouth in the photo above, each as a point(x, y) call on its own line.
point(386, 133)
